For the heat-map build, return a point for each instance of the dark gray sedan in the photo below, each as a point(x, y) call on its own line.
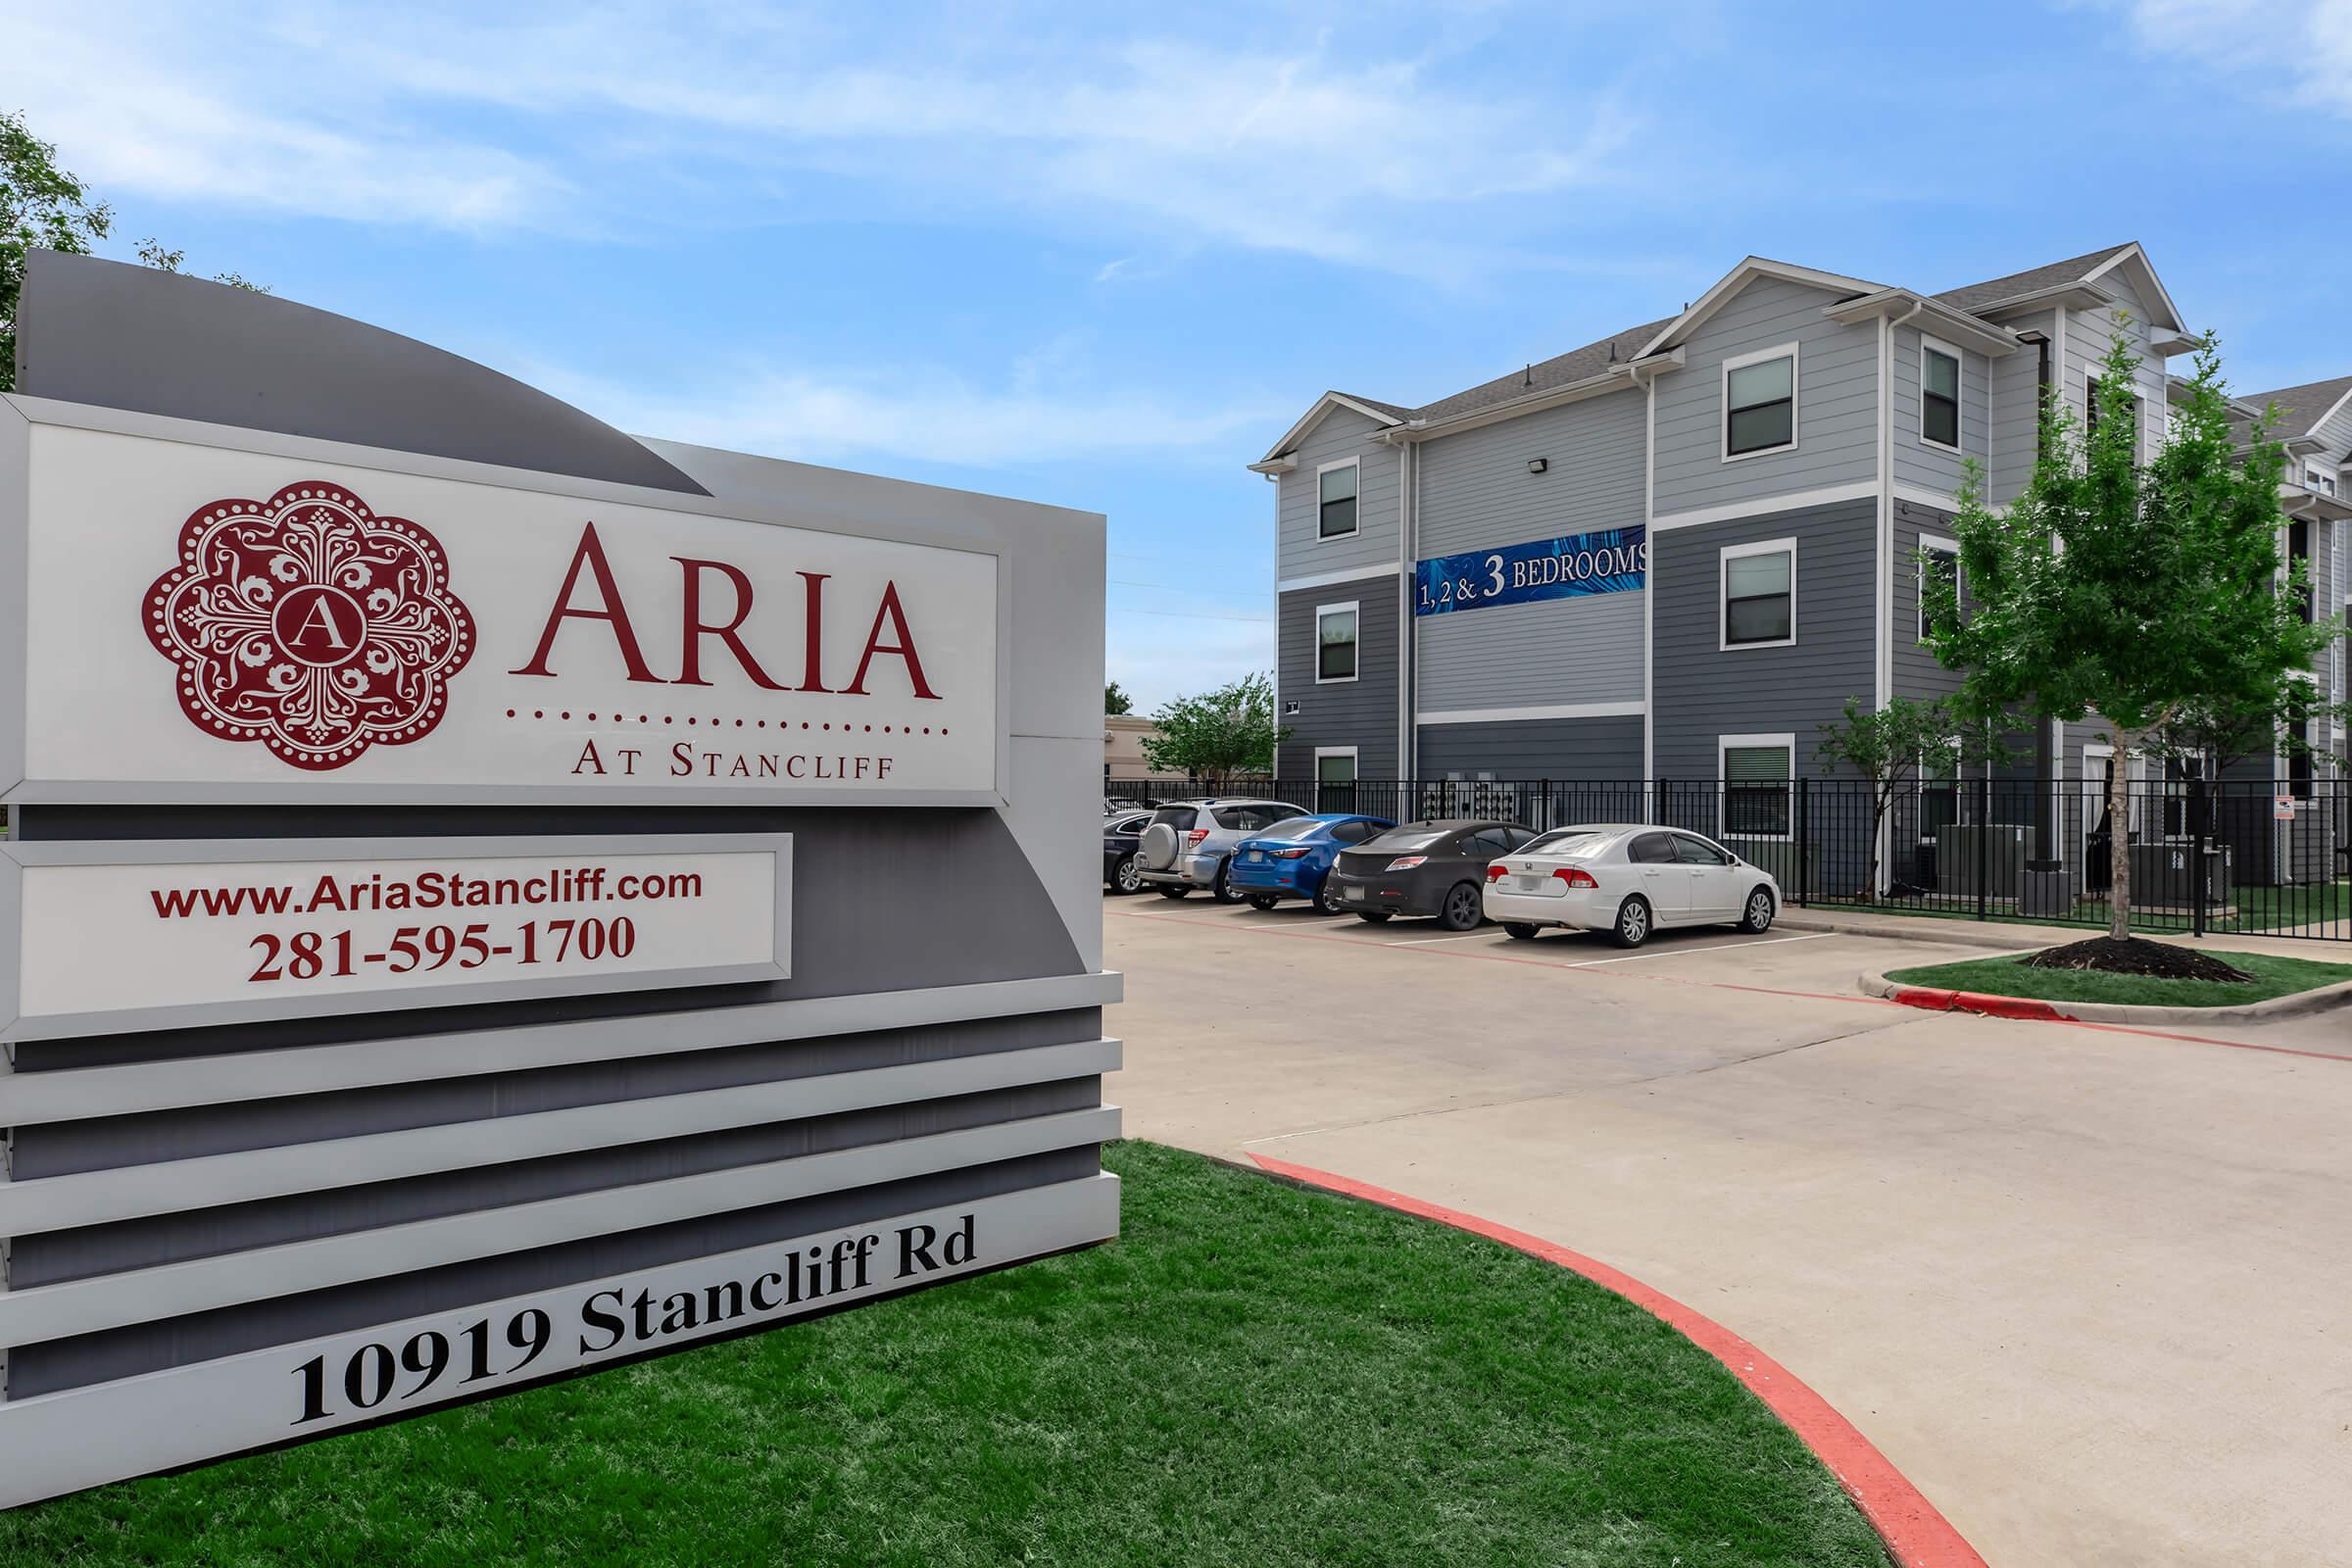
point(1424, 868)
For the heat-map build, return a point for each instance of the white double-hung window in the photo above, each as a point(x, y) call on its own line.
point(1759, 403)
point(1758, 594)
point(1335, 642)
point(1938, 394)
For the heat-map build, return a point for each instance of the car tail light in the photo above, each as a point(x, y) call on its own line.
point(1287, 855)
point(1405, 862)
point(1574, 877)
point(1495, 872)
point(1192, 840)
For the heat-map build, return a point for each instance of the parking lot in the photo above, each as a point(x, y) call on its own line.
point(2084, 1285)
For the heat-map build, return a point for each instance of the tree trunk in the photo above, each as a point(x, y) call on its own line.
point(2119, 838)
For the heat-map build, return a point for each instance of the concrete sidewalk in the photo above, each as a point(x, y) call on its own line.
point(2084, 1287)
point(2003, 934)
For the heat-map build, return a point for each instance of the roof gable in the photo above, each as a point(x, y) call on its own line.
point(1382, 413)
point(1739, 277)
point(2306, 407)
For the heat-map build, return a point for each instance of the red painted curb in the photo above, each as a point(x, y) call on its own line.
point(1915, 1532)
point(1991, 1006)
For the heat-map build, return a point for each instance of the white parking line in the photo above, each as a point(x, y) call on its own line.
point(1720, 947)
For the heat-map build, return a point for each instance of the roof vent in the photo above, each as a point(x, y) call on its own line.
point(1527, 377)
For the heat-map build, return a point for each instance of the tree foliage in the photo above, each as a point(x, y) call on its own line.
point(2143, 594)
point(1223, 734)
point(1115, 700)
point(42, 208)
point(1893, 746)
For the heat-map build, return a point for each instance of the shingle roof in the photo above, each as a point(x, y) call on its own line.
point(2303, 405)
point(1577, 365)
point(1993, 289)
point(1394, 410)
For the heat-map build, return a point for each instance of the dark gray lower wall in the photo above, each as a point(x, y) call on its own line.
point(1361, 713)
point(1701, 691)
point(1917, 671)
point(1533, 749)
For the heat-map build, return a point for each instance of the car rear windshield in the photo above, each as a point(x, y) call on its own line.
point(1572, 843)
point(1297, 827)
point(1404, 840)
point(1175, 816)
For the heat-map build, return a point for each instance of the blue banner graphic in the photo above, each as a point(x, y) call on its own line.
point(1607, 561)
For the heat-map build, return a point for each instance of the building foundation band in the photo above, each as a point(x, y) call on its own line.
point(1667, 559)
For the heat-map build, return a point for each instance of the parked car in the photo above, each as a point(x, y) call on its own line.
point(1431, 867)
point(1190, 843)
point(1628, 879)
point(1292, 860)
point(1113, 804)
point(1122, 847)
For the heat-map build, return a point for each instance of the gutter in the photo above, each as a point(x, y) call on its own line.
point(1616, 377)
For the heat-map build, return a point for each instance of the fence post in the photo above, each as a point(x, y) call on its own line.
point(2200, 874)
point(1546, 812)
point(1805, 839)
point(1984, 839)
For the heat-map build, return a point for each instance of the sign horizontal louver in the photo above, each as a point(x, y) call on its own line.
point(1607, 561)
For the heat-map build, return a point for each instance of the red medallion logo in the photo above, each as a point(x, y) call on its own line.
point(310, 624)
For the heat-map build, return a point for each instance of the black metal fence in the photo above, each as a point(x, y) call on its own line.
point(2249, 856)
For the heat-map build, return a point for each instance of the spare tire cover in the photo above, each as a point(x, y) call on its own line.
point(1159, 847)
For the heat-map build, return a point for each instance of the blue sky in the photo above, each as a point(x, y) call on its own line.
point(1103, 256)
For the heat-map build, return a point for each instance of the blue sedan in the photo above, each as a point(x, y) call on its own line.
point(1292, 860)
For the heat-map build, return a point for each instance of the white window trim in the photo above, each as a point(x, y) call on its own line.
point(1919, 577)
point(1357, 463)
point(1352, 606)
point(1959, 361)
point(1349, 752)
point(1725, 744)
point(1722, 402)
point(1723, 592)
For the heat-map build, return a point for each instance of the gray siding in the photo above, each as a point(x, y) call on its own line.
point(1932, 468)
point(2016, 434)
point(1476, 490)
point(1836, 401)
point(2087, 339)
point(1559, 749)
point(1543, 655)
point(1299, 553)
point(1917, 673)
point(1702, 692)
point(1361, 713)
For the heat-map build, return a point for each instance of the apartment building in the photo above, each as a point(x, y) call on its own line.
point(1676, 552)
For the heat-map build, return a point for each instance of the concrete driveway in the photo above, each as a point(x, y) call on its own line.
point(2089, 1289)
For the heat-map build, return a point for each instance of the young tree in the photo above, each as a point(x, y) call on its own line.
point(2138, 594)
point(42, 208)
point(1219, 734)
point(1115, 700)
point(1892, 746)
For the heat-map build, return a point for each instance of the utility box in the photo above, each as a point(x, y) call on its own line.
point(1962, 846)
point(2163, 874)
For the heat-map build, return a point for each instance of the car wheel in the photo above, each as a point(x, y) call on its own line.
point(1262, 901)
point(1167, 892)
point(1327, 897)
point(1372, 916)
point(1128, 875)
point(1519, 930)
point(1633, 922)
point(1223, 891)
point(1461, 911)
point(1758, 917)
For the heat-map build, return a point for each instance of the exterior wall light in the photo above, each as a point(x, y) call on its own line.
point(1538, 465)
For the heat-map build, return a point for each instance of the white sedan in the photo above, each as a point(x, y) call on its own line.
point(1627, 879)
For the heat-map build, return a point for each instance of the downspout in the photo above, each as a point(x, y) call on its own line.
point(1884, 672)
point(1408, 650)
point(2045, 733)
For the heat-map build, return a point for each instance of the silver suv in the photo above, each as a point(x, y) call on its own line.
point(1190, 843)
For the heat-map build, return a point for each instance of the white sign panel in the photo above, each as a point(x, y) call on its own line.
point(208, 623)
point(116, 936)
point(245, 1401)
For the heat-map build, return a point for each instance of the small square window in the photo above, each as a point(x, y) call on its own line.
point(1759, 405)
point(1335, 495)
point(1759, 595)
point(1939, 397)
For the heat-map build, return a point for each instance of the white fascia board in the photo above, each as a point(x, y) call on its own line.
point(2133, 253)
point(1918, 308)
point(1326, 579)
point(1506, 716)
point(2076, 296)
point(1312, 416)
point(1764, 505)
point(1618, 377)
point(1737, 278)
point(1274, 465)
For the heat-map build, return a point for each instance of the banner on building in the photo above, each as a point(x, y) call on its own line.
point(1606, 561)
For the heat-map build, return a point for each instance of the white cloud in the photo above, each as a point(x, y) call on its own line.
point(1287, 141)
point(132, 111)
point(2301, 46)
point(935, 416)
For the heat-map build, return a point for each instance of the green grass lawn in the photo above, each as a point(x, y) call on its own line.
point(2010, 978)
point(2257, 911)
point(1251, 1375)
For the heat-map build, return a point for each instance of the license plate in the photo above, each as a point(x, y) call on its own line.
point(1253, 855)
point(1356, 895)
point(1527, 884)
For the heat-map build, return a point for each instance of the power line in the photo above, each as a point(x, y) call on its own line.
point(1200, 615)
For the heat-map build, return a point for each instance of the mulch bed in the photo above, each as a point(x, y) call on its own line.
point(2137, 955)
